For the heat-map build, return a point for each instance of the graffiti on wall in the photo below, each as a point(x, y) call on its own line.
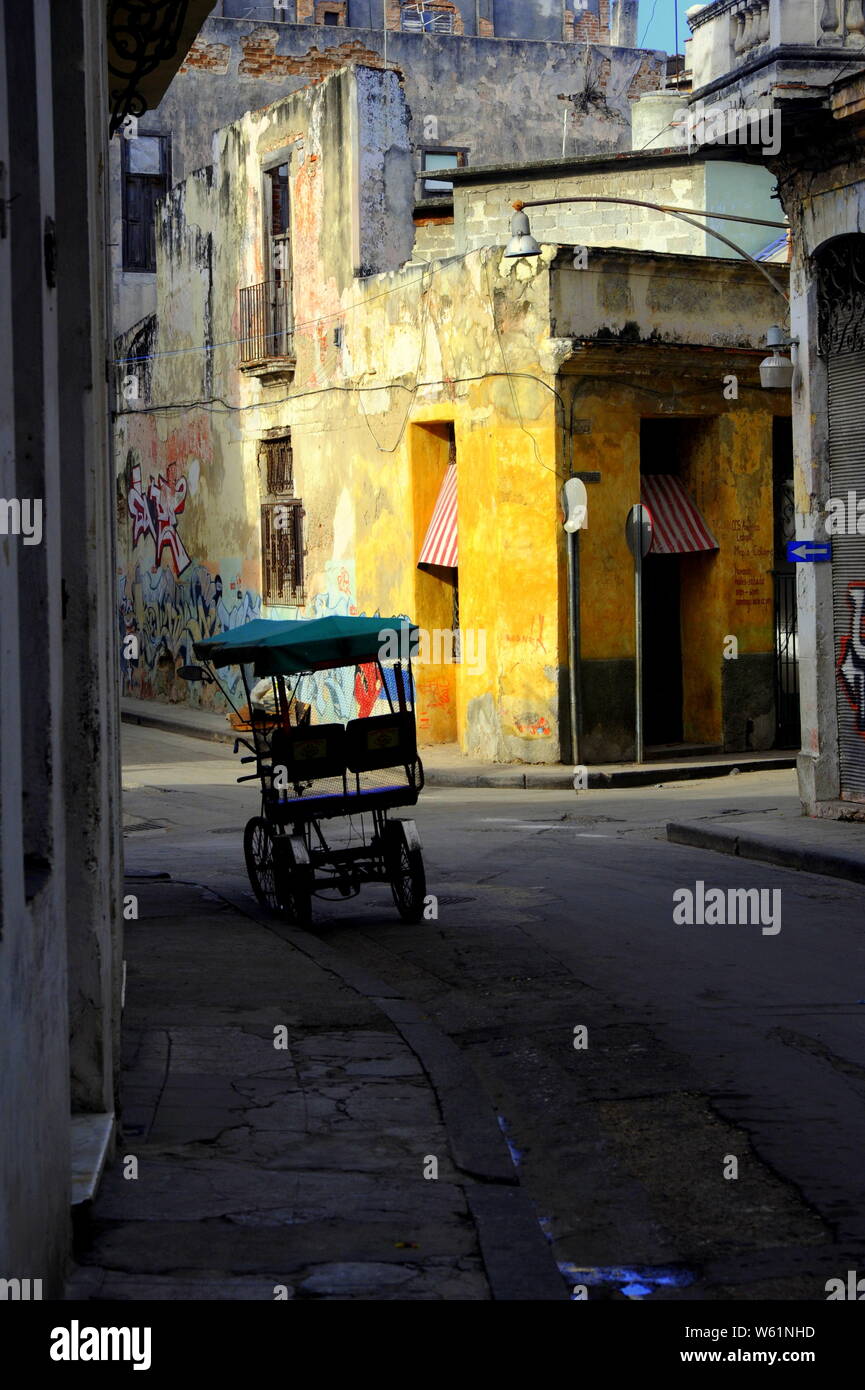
point(347, 692)
point(168, 614)
point(851, 665)
point(154, 511)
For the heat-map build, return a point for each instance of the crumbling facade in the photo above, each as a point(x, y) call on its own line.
point(505, 82)
point(308, 388)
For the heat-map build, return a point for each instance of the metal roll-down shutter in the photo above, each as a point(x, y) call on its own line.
point(847, 473)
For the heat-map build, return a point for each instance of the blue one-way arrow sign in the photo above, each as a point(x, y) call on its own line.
point(809, 552)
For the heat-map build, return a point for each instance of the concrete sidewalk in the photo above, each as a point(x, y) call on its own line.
point(445, 766)
point(281, 1112)
point(816, 845)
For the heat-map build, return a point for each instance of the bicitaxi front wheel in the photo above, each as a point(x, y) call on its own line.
point(405, 868)
point(258, 852)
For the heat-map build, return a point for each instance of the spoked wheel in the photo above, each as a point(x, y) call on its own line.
point(258, 852)
point(294, 880)
point(404, 863)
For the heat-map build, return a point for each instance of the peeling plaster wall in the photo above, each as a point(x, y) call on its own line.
point(60, 834)
point(497, 98)
point(632, 319)
point(353, 452)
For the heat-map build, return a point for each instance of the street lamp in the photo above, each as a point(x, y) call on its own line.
point(522, 243)
point(776, 371)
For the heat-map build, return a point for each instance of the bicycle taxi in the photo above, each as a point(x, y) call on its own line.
point(343, 777)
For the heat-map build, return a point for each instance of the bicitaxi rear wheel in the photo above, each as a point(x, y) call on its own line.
point(295, 879)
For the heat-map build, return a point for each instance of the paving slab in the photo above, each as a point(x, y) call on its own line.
point(279, 1131)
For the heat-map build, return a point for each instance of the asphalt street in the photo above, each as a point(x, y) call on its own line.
point(702, 1139)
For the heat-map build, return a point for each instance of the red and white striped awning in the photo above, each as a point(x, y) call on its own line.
point(679, 527)
point(440, 542)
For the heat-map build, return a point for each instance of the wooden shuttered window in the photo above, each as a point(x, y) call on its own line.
point(144, 162)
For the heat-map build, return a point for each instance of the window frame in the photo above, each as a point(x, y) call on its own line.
point(434, 176)
point(293, 593)
point(268, 168)
point(437, 11)
point(126, 175)
point(266, 447)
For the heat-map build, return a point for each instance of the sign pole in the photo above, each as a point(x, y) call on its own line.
point(639, 533)
point(638, 614)
point(574, 642)
point(574, 506)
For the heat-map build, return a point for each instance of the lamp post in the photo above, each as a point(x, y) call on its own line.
point(522, 243)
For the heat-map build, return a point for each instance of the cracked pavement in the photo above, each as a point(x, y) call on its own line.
point(274, 1130)
point(301, 1167)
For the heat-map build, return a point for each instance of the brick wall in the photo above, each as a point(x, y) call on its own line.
point(482, 214)
point(211, 57)
point(589, 27)
point(260, 59)
point(323, 7)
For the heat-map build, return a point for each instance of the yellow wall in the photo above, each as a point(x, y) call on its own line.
point(726, 465)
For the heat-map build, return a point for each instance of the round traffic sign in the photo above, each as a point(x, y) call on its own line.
point(639, 531)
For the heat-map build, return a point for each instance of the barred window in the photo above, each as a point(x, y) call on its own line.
point(282, 552)
point(417, 18)
point(279, 462)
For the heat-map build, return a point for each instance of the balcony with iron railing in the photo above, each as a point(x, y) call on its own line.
point(266, 330)
point(802, 38)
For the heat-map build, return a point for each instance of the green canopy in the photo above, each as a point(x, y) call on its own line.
point(290, 646)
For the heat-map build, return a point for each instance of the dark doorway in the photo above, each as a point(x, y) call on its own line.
point(662, 650)
point(787, 733)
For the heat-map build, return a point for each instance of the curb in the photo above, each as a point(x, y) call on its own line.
point(648, 776)
point(518, 1261)
point(169, 724)
point(831, 863)
point(541, 779)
